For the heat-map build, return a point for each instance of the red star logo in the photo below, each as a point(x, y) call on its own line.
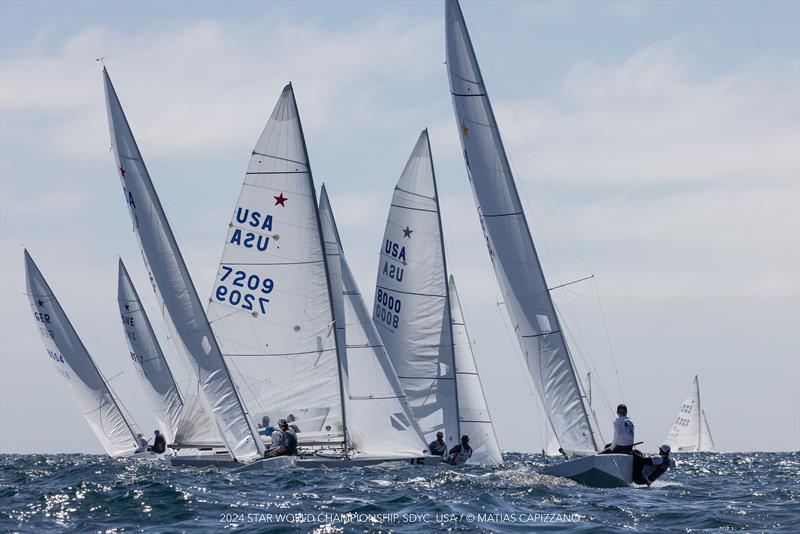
point(122, 172)
point(280, 199)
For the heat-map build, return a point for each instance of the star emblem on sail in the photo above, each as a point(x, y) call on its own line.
point(280, 200)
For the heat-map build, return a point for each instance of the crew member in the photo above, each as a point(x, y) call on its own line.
point(438, 447)
point(267, 428)
point(142, 443)
point(461, 453)
point(159, 443)
point(287, 446)
point(652, 467)
point(623, 433)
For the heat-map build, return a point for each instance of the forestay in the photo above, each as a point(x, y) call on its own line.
point(73, 362)
point(175, 292)
point(473, 412)
point(516, 264)
point(411, 308)
point(379, 419)
point(270, 306)
point(179, 421)
point(689, 432)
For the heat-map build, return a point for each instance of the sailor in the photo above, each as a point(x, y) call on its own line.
point(159, 443)
point(267, 428)
point(284, 441)
point(438, 447)
point(653, 467)
point(461, 453)
point(623, 433)
point(291, 419)
point(142, 443)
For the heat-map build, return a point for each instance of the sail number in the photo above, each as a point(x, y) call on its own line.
point(387, 308)
point(55, 356)
point(251, 289)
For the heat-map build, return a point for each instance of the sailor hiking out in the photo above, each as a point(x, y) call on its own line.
point(646, 469)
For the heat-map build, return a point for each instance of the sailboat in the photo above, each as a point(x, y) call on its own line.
point(690, 432)
point(182, 309)
point(72, 361)
point(274, 311)
point(518, 271)
point(180, 417)
point(418, 316)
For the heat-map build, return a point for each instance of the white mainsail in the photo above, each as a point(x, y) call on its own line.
point(379, 418)
point(271, 308)
point(179, 420)
point(473, 412)
point(689, 432)
point(72, 361)
point(411, 310)
point(516, 263)
point(175, 292)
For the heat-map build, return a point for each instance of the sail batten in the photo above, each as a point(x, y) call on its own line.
point(183, 311)
point(96, 402)
point(511, 247)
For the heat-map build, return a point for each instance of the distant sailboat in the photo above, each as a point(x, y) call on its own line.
point(176, 294)
point(519, 273)
point(278, 308)
point(690, 432)
point(72, 361)
point(418, 315)
point(180, 418)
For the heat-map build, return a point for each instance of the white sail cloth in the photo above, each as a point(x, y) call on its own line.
point(411, 309)
point(73, 362)
point(270, 307)
point(379, 419)
point(175, 292)
point(179, 422)
point(473, 412)
point(690, 432)
point(516, 264)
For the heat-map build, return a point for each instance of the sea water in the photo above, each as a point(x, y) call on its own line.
point(732, 491)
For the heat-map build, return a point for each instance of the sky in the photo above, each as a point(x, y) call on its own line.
point(656, 146)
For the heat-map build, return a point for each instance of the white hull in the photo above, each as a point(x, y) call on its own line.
point(598, 471)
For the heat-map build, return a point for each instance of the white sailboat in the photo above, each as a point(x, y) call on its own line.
point(380, 423)
point(177, 297)
point(690, 432)
point(516, 263)
point(415, 313)
point(473, 412)
point(274, 300)
point(180, 417)
point(72, 361)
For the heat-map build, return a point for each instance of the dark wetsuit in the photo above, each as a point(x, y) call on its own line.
point(436, 448)
point(159, 445)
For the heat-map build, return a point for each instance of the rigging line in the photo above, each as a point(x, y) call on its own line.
point(558, 211)
point(570, 283)
point(581, 352)
point(610, 345)
point(204, 242)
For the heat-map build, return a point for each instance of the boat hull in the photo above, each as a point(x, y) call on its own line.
point(224, 460)
point(598, 471)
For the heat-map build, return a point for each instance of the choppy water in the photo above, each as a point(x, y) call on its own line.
point(747, 491)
